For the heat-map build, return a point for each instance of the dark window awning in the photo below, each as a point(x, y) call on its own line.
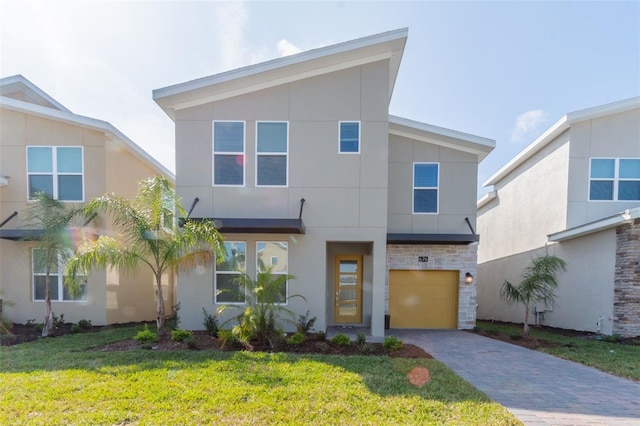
point(257, 225)
point(21, 234)
point(460, 239)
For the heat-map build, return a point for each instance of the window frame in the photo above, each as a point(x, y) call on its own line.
point(216, 272)
point(616, 179)
point(272, 154)
point(340, 123)
point(59, 274)
point(227, 153)
point(414, 187)
point(286, 272)
point(55, 187)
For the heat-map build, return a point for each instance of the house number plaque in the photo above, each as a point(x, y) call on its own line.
point(423, 258)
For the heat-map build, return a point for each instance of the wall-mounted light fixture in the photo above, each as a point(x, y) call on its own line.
point(468, 278)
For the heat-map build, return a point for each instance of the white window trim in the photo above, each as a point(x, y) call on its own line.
point(359, 137)
point(616, 179)
point(54, 173)
point(276, 273)
point(239, 273)
point(59, 275)
point(413, 188)
point(243, 153)
point(286, 154)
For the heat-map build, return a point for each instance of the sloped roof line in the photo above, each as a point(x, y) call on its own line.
point(20, 79)
point(558, 128)
point(88, 122)
point(609, 222)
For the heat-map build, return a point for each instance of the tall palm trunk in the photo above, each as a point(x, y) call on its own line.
point(525, 330)
point(160, 304)
point(48, 312)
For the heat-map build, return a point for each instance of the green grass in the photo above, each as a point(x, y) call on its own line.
point(57, 381)
point(614, 358)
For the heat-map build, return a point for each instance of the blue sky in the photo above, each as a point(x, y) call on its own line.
point(502, 70)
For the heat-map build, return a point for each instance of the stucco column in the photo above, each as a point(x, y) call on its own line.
point(378, 294)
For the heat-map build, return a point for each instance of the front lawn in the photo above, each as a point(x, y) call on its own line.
point(620, 359)
point(59, 381)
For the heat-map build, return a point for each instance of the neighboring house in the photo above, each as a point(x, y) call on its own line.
point(301, 166)
point(44, 146)
point(574, 192)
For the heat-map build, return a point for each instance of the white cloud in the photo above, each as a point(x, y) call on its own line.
point(527, 124)
point(286, 48)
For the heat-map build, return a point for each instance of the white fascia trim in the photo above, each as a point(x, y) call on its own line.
point(4, 181)
point(19, 78)
point(279, 63)
point(411, 129)
point(486, 199)
point(560, 126)
point(614, 221)
point(91, 123)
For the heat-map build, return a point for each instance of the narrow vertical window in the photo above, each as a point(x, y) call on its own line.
point(629, 180)
point(349, 142)
point(227, 288)
point(272, 147)
point(56, 171)
point(273, 256)
point(228, 153)
point(425, 187)
point(602, 179)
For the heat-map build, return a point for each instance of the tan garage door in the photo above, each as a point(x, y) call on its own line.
point(423, 299)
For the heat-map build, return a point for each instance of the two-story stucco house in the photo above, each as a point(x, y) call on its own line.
point(46, 147)
point(573, 192)
point(304, 170)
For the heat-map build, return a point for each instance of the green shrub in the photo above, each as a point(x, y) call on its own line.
point(58, 322)
point(322, 347)
point(392, 343)
point(75, 328)
point(228, 338)
point(367, 348)
point(146, 336)
point(321, 335)
point(341, 339)
point(210, 323)
point(181, 335)
point(361, 339)
point(84, 324)
point(614, 338)
point(38, 327)
point(191, 342)
point(305, 324)
point(5, 326)
point(172, 321)
point(296, 339)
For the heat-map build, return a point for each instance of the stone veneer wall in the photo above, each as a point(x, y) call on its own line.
point(463, 258)
point(626, 291)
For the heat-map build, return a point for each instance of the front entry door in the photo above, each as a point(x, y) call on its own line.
point(348, 289)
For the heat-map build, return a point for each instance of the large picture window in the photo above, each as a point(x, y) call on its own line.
point(271, 153)
point(349, 142)
point(425, 187)
point(228, 153)
point(614, 179)
point(56, 171)
point(274, 256)
point(228, 289)
point(57, 290)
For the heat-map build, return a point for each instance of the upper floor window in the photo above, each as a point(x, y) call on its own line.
point(273, 255)
point(228, 153)
point(57, 290)
point(228, 289)
point(425, 187)
point(349, 140)
point(56, 171)
point(271, 153)
point(614, 179)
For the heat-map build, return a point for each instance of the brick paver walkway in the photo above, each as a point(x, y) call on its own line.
point(537, 388)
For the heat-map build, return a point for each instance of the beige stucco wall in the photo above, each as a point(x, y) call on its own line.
point(612, 136)
point(585, 291)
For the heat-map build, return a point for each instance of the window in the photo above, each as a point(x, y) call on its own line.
point(228, 153)
point(274, 255)
point(349, 142)
point(425, 187)
point(614, 179)
point(227, 287)
point(271, 153)
point(57, 171)
point(57, 290)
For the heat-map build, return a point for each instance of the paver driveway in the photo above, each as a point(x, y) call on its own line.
point(537, 388)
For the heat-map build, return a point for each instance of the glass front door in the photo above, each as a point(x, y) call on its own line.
point(348, 289)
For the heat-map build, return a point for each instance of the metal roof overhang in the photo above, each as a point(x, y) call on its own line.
point(21, 234)
point(459, 239)
point(257, 225)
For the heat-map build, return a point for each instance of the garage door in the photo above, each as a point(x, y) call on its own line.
point(423, 299)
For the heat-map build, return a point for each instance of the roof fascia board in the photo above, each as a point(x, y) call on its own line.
point(19, 78)
point(604, 110)
point(276, 82)
point(4, 181)
point(91, 123)
point(486, 199)
point(626, 216)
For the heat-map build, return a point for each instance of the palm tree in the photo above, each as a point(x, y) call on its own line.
point(54, 245)
point(151, 236)
point(539, 281)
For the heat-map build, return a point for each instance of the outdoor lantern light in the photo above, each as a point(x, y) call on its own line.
point(468, 278)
